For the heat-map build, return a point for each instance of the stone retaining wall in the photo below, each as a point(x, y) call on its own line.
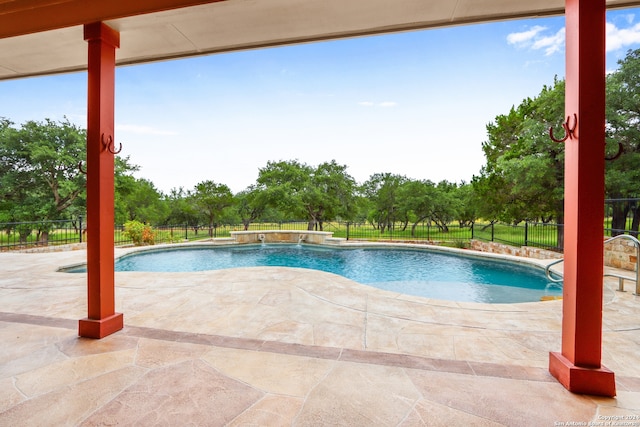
point(618, 254)
point(621, 254)
point(56, 248)
point(523, 251)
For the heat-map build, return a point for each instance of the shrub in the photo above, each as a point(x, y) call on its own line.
point(140, 233)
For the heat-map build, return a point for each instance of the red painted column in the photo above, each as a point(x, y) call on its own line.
point(579, 367)
point(102, 320)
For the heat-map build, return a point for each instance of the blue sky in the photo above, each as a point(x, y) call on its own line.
point(414, 103)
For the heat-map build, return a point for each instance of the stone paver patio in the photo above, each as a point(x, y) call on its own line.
point(278, 346)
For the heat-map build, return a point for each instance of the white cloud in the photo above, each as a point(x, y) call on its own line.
point(618, 38)
point(525, 37)
point(143, 130)
point(550, 44)
point(537, 39)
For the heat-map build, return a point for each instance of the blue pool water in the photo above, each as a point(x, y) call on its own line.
point(409, 271)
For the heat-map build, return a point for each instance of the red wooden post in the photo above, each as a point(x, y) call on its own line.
point(579, 366)
point(102, 320)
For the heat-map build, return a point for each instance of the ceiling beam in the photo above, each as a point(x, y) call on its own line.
point(23, 17)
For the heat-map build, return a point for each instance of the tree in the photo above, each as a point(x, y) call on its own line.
point(416, 199)
point(182, 208)
point(622, 176)
point(445, 205)
point(331, 195)
point(145, 203)
point(250, 204)
point(136, 198)
point(524, 173)
point(211, 199)
point(320, 194)
point(469, 204)
point(383, 189)
point(284, 182)
point(40, 176)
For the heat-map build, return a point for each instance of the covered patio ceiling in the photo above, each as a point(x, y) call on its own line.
point(39, 37)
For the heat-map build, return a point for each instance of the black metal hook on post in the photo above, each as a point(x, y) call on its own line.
point(109, 145)
point(83, 171)
point(569, 130)
point(618, 154)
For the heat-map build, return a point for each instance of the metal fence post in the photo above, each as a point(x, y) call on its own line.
point(347, 230)
point(186, 232)
point(473, 224)
point(492, 231)
point(526, 233)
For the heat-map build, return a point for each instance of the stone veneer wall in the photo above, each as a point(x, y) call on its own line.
point(281, 236)
point(619, 254)
point(523, 251)
point(56, 248)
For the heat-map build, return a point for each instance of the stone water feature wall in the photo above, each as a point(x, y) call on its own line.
point(285, 236)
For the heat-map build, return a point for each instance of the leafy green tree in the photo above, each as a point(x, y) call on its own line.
point(40, 176)
point(136, 198)
point(145, 203)
point(469, 204)
point(524, 174)
point(332, 194)
point(445, 204)
point(250, 204)
point(211, 199)
point(284, 183)
point(416, 198)
point(124, 186)
point(622, 176)
point(182, 208)
point(382, 190)
point(320, 194)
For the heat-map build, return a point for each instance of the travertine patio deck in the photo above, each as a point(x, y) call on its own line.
point(277, 346)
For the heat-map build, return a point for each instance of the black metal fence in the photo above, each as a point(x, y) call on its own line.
point(621, 216)
point(535, 234)
point(22, 235)
point(27, 235)
point(30, 235)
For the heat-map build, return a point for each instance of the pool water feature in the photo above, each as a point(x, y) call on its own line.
point(417, 272)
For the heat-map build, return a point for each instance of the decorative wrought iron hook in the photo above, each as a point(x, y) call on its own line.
point(83, 171)
point(618, 154)
point(569, 130)
point(109, 145)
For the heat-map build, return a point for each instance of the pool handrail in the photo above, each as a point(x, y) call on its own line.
point(547, 271)
point(621, 277)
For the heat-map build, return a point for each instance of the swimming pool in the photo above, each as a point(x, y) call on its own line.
point(405, 270)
